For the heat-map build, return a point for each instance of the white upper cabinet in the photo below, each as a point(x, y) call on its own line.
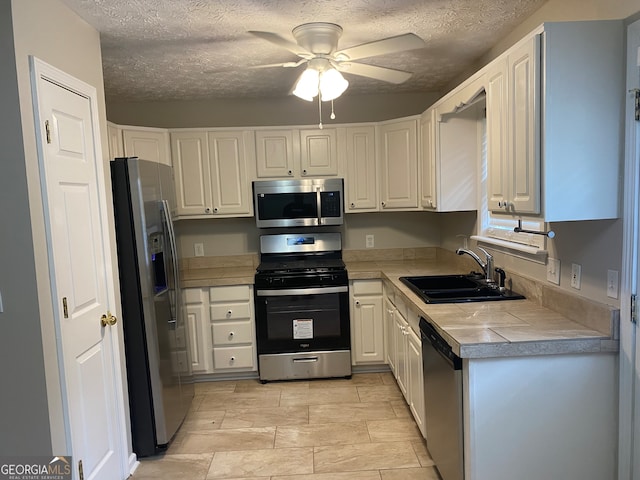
point(554, 123)
point(513, 130)
point(210, 170)
point(116, 145)
point(276, 151)
point(319, 152)
point(295, 153)
point(361, 182)
point(147, 144)
point(451, 134)
point(398, 147)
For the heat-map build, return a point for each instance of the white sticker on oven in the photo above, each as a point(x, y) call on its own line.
point(302, 328)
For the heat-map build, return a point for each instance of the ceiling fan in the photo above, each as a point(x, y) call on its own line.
point(317, 46)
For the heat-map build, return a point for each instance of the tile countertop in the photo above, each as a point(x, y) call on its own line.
point(504, 328)
point(549, 321)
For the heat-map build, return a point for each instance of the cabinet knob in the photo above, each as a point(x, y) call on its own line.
point(215, 210)
point(304, 172)
point(289, 172)
point(383, 204)
point(231, 334)
point(232, 359)
point(357, 303)
point(207, 210)
point(353, 205)
point(229, 313)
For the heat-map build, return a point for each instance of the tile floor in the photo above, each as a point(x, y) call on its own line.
point(357, 429)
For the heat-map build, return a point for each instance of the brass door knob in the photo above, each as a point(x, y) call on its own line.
point(108, 319)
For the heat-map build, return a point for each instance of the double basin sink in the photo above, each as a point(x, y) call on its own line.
point(457, 289)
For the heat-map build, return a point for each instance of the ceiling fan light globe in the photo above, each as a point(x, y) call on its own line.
point(332, 84)
point(307, 85)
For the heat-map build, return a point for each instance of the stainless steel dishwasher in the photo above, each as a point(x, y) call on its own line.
point(443, 403)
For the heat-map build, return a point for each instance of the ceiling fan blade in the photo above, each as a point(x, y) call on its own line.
point(400, 43)
point(285, 64)
point(283, 43)
point(372, 71)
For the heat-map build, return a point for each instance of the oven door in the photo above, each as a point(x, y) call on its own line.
point(302, 319)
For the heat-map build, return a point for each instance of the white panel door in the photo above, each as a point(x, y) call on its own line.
point(81, 285)
point(230, 189)
point(190, 154)
point(147, 145)
point(274, 153)
point(361, 183)
point(318, 152)
point(399, 165)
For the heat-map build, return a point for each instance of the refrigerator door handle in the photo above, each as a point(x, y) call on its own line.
point(174, 256)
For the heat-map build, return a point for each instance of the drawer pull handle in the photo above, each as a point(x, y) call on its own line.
point(305, 360)
point(233, 359)
point(231, 334)
point(229, 313)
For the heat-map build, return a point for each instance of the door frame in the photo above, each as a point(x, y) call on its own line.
point(42, 70)
point(629, 418)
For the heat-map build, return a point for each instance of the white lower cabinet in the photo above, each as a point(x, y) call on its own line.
point(367, 325)
point(404, 353)
point(221, 328)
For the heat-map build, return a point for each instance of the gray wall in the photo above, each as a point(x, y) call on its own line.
point(222, 112)
point(24, 412)
point(48, 30)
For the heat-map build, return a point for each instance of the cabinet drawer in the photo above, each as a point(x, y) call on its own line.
point(230, 311)
point(233, 357)
point(366, 287)
point(231, 293)
point(230, 333)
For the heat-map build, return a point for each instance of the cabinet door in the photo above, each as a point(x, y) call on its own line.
point(428, 192)
point(497, 134)
point(116, 147)
point(275, 153)
point(399, 165)
point(361, 184)
point(400, 340)
point(190, 154)
point(318, 152)
point(415, 387)
point(230, 189)
point(368, 329)
point(147, 145)
point(524, 122)
point(198, 329)
point(390, 334)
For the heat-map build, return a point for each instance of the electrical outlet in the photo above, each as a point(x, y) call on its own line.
point(576, 274)
point(612, 283)
point(553, 270)
point(198, 249)
point(369, 241)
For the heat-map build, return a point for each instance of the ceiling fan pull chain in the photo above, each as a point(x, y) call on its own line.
point(333, 115)
point(320, 112)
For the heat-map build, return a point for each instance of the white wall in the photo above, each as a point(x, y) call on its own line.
point(50, 31)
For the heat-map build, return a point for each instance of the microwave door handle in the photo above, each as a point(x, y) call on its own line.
point(319, 204)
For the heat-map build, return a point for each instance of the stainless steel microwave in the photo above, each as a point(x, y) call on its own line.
point(298, 203)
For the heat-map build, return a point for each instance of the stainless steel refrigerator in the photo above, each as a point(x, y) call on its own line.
point(157, 356)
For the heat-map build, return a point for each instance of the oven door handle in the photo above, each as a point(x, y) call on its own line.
point(301, 291)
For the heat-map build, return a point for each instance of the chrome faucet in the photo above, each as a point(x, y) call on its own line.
point(487, 266)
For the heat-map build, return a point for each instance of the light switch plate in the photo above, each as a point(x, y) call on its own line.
point(576, 274)
point(198, 249)
point(553, 270)
point(612, 283)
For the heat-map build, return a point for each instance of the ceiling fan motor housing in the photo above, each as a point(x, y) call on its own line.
point(318, 38)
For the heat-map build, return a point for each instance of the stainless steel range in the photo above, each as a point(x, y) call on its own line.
point(302, 307)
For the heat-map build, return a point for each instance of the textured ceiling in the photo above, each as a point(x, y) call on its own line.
point(197, 49)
